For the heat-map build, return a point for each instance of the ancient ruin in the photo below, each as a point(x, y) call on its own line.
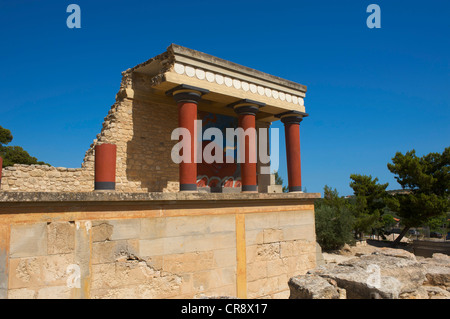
point(132, 223)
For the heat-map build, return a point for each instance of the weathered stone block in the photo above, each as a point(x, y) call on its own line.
point(361, 284)
point(122, 273)
point(223, 240)
point(202, 281)
point(304, 232)
point(110, 251)
point(185, 226)
point(188, 262)
point(161, 246)
point(261, 221)
point(312, 287)
point(21, 293)
point(276, 267)
point(61, 238)
point(152, 228)
point(272, 235)
point(254, 237)
point(262, 287)
point(274, 189)
point(292, 218)
point(54, 269)
point(222, 277)
point(408, 272)
point(224, 257)
point(55, 292)
point(125, 229)
point(288, 249)
point(221, 223)
point(256, 270)
point(101, 231)
point(266, 252)
point(25, 272)
point(28, 240)
point(199, 243)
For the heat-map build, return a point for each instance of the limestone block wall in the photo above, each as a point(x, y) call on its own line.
point(141, 131)
point(277, 246)
point(43, 178)
point(172, 246)
point(140, 124)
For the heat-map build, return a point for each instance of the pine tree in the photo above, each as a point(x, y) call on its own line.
point(427, 180)
point(369, 200)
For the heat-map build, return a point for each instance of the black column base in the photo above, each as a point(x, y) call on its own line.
point(249, 188)
point(100, 186)
point(188, 187)
point(295, 189)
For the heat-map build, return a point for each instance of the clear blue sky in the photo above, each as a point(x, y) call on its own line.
point(371, 92)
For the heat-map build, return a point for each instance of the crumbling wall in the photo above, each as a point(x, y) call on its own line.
point(141, 130)
point(43, 178)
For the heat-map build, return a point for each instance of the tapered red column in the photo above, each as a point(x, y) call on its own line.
point(105, 167)
point(291, 122)
point(187, 98)
point(246, 110)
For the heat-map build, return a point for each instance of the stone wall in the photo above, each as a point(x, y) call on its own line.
point(43, 178)
point(154, 246)
point(278, 245)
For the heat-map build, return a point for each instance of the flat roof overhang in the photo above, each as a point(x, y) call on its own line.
point(226, 81)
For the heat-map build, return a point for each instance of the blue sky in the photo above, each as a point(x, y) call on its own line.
point(371, 92)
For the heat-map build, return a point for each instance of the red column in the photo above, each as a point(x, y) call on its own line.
point(246, 110)
point(292, 136)
point(248, 167)
point(187, 114)
point(187, 98)
point(105, 167)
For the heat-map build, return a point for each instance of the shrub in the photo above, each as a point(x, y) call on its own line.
point(334, 221)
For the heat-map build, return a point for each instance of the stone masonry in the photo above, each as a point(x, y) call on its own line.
point(117, 245)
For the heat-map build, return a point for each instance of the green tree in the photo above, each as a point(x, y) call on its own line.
point(369, 201)
point(5, 136)
point(279, 181)
point(427, 180)
point(14, 154)
point(334, 220)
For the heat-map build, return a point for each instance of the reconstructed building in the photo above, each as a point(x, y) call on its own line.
point(134, 223)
